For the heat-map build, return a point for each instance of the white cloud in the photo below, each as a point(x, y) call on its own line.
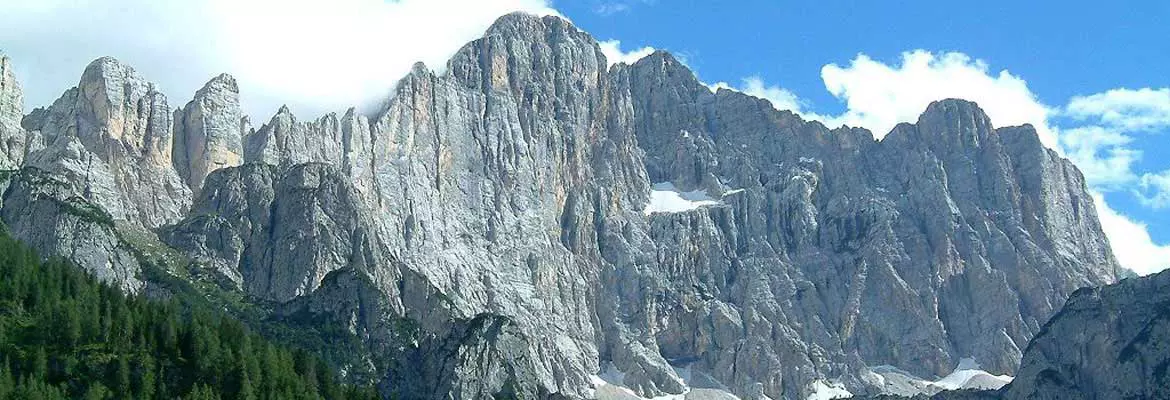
point(1128, 110)
point(1131, 241)
point(781, 98)
point(1104, 146)
point(1155, 190)
point(879, 96)
point(316, 56)
point(1102, 154)
point(607, 9)
point(614, 54)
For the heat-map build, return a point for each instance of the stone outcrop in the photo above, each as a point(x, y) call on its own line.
point(208, 132)
point(13, 141)
point(278, 234)
point(345, 142)
point(49, 215)
point(111, 136)
point(1110, 342)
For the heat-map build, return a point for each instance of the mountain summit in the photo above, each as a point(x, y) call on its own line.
point(493, 230)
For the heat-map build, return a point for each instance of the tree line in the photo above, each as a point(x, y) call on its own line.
point(66, 335)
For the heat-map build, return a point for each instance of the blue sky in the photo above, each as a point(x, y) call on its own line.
point(1094, 77)
point(1061, 48)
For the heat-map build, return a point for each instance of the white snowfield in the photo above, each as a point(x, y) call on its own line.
point(825, 390)
point(967, 375)
point(666, 198)
point(610, 385)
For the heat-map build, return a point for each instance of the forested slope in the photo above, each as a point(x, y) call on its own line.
point(63, 335)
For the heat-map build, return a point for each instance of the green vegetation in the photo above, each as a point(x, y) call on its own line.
point(85, 210)
point(63, 335)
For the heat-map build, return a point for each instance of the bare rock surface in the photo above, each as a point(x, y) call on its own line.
point(492, 229)
point(1111, 342)
point(208, 132)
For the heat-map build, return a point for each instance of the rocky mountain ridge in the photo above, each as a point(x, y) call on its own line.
point(488, 231)
point(1107, 342)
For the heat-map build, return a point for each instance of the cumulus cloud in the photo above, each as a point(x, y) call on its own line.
point(607, 9)
point(1104, 145)
point(1127, 110)
point(1131, 241)
point(780, 98)
point(315, 56)
point(1103, 155)
point(879, 96)
point(1154, 190)
point(614, 53)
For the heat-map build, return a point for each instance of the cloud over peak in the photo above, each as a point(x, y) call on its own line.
point(879, 96)
point(315, 56)
point(614, 53)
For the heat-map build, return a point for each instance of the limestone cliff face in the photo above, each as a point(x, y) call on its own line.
point(208, 132)
point(111, 136)
point(13, 140)
point(834, 251)
point(1110, 342)
point(491, 230)
point(49, 215)
point(277, 234)
point(485, 186)
point(345, 142)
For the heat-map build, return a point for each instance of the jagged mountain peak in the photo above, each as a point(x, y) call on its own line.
point(531, 217)
point(220, 83)
point(105, 66)
point(955, 122)
point(209, 131)
point(283, 110)
point(521, 23)
point(12, 140)
point(8, 82)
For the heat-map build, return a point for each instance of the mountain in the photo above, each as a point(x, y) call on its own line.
point(531, 222)
point(1106, 343)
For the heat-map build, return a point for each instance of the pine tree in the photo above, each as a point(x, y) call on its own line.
point(40, 364)
point(7, 384)
point(145, 385)
point(97, 391)
point(121, 377)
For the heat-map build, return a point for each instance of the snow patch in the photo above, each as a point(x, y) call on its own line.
point(825, 390)
point(666, 198)
point(610, 385)
point(968, 376)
